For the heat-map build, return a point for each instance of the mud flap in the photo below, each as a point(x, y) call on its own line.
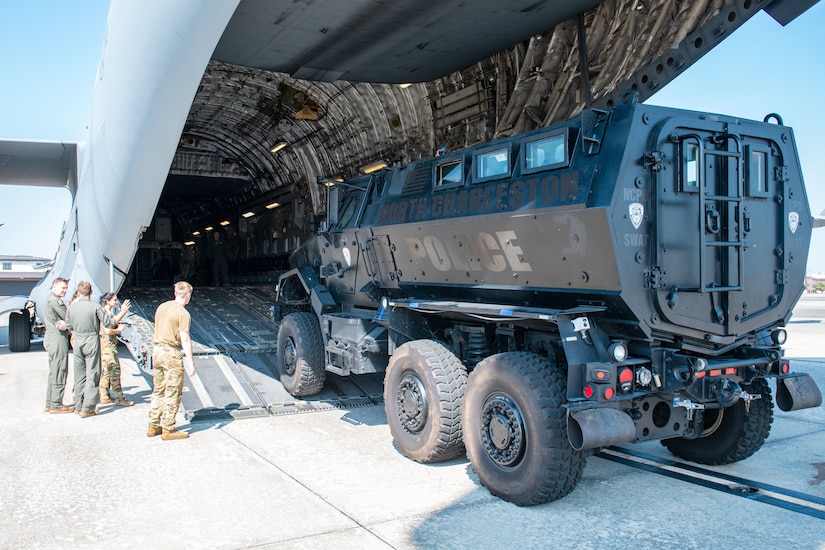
point(798, 391)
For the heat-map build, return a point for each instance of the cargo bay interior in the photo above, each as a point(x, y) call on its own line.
point(263, 140)
point(258, 144)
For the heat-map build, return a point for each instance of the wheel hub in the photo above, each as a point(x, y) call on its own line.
point(412, 403)
point(289, 355)
point(502, 430)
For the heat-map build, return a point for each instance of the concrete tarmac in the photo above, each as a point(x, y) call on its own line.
point(333, 479)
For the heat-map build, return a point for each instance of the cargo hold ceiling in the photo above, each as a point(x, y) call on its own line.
point(382, 40)
point(304, 90)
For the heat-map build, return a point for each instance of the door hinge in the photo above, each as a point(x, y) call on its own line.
point(781, 174)
point(781, 277)
point(653, 161)
point(654, 278)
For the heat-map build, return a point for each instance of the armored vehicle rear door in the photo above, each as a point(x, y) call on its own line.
point(718, 263)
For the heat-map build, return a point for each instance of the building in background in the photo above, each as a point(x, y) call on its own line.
point(815, 282)
point(19, 274)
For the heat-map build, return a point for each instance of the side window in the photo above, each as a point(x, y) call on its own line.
point(492, 164)
point(348, 209)
point(691, 170)
point(757, 171)
point(545, 153)
point(6, 266)
point(449, 173)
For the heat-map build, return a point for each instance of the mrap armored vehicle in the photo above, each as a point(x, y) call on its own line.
point(621, 277)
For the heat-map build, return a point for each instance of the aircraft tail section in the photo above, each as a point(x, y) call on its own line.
point(141, 98)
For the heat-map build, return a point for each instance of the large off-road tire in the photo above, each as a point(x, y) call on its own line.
point(301, 354)
point(515, 429)
point(730, 434)
point(20, 331)
point(423, 388)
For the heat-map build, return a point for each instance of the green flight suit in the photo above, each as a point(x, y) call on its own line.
point(56, 343)
point(84, 319)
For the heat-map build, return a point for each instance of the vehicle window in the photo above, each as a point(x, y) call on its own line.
point(449, 173)
point(690, 165)
point(757, 172)
point(545, 153)
point(490, 164)
point(348, 209)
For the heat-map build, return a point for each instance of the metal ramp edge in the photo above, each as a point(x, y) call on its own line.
point(220, 391)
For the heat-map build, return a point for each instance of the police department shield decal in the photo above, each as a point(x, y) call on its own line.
point(793, 221)
point(637, 213)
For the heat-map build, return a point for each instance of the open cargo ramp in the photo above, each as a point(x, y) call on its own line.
point(234, 343)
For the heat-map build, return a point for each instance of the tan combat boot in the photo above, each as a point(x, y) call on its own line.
point(123, 402)
point(153, 431)
point(106, 400)
point(169, 435)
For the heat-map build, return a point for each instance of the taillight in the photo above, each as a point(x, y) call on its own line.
point(588, 391)
point(626, 379)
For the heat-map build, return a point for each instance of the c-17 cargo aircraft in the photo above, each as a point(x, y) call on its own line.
point(204, 112)
point(553, 256)
point(192, 97)
point(186, 84)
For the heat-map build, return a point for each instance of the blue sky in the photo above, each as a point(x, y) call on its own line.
point(52, 47)
point(50, 55)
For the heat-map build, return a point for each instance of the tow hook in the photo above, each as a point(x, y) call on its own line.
point(689, 405)
point(748, 397)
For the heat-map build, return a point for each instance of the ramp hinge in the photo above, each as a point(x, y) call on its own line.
point(653, 161)
point(781, 277)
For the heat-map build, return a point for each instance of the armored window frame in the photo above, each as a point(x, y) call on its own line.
point(530, 149)
point(757, 183)
point(352, 204)
point(488, 166)
point(6, 266)
point(445, 172)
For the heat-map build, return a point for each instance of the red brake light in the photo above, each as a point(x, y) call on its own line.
point(626, 379)
point(609, 392)
point(588, 391)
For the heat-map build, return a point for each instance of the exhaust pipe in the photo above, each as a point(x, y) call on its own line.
point(797, 392)
point(593, 428)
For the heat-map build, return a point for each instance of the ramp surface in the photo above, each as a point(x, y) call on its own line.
point(234, 342)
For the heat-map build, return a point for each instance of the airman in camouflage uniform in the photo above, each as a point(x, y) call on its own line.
point(171, 346)
point(109, 361)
